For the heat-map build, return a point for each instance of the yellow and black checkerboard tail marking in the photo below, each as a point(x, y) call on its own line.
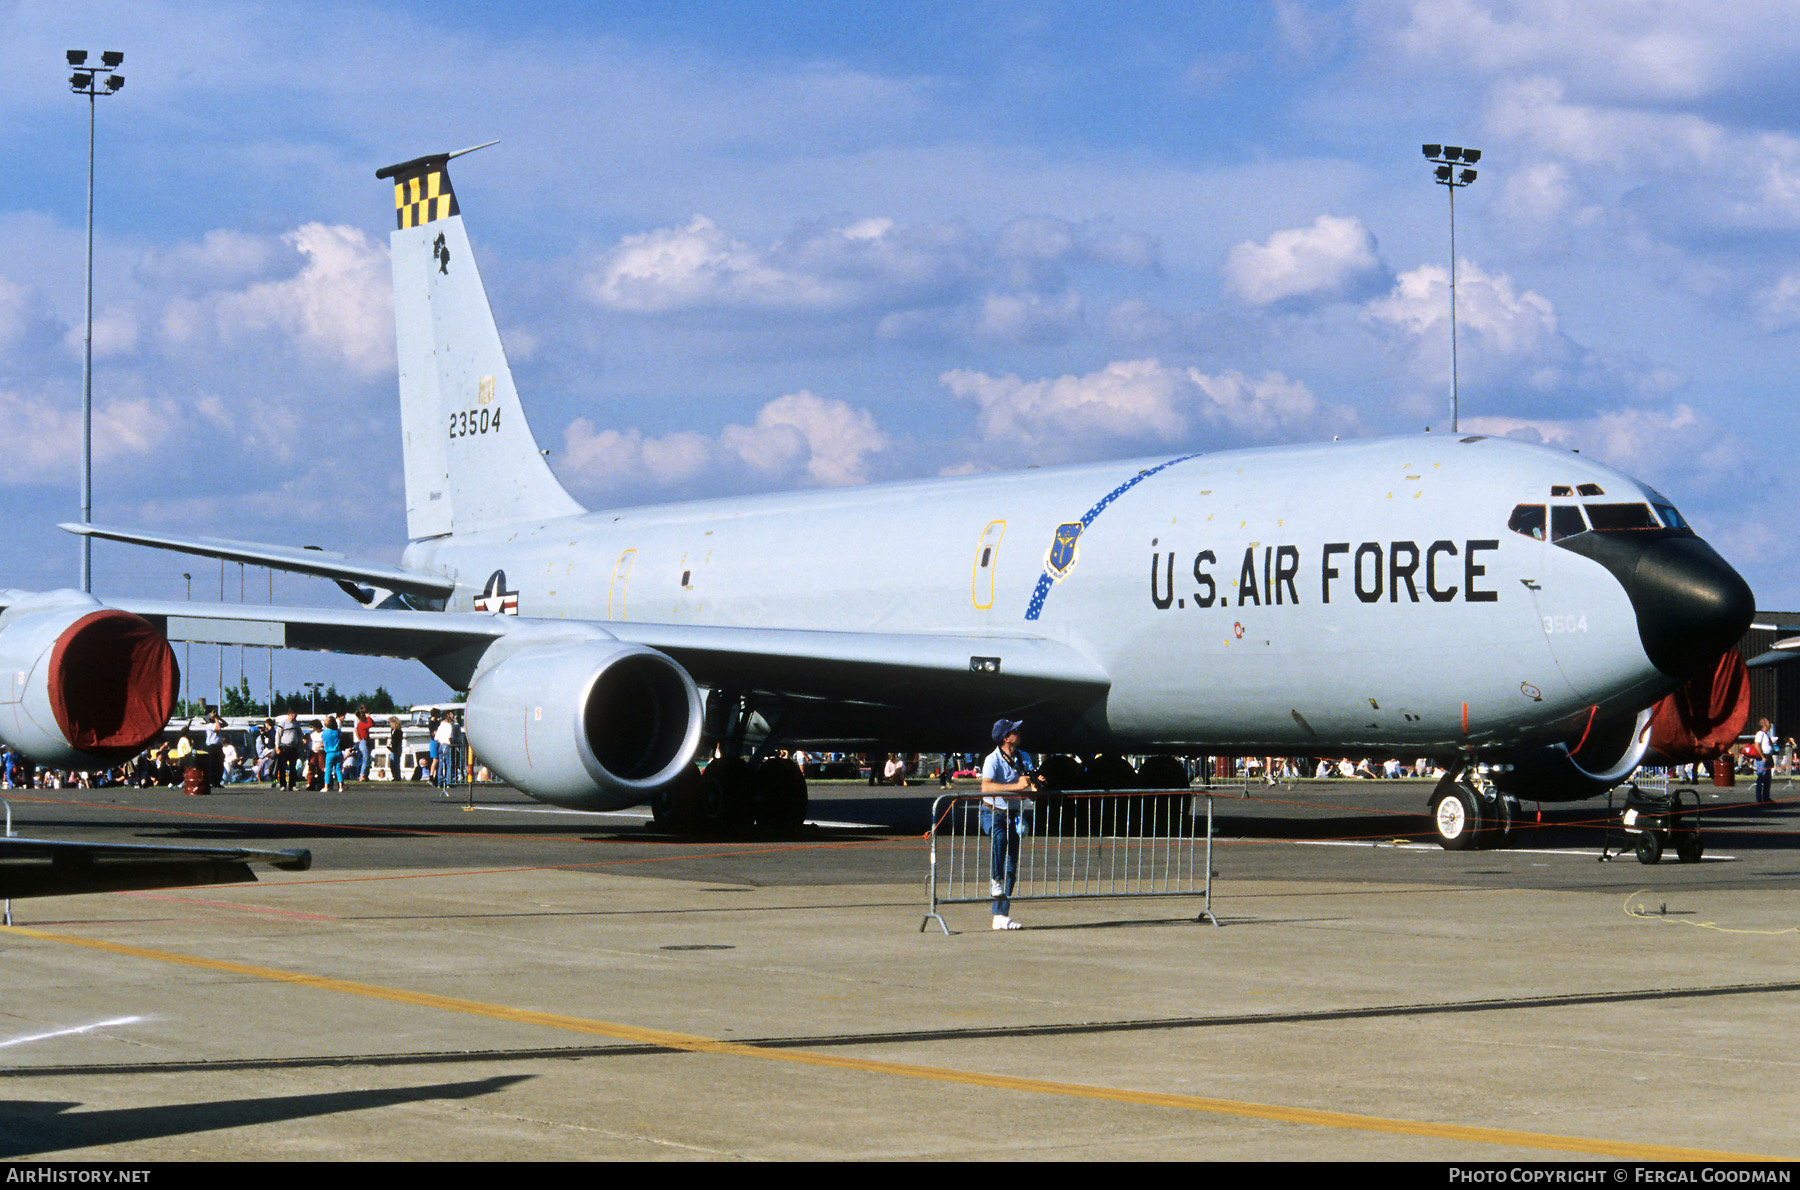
point(422, 190)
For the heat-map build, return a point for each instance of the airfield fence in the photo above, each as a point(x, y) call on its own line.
point(1076, 846)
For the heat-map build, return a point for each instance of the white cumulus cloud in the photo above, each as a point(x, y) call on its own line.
point(798, 436)
point(337, 305)
point(1492, 314)
point(1136, 400)
point(1324, 260)
point(46, 434)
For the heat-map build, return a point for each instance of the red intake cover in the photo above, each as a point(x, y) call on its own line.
point(112, 683)
point(1703, 718)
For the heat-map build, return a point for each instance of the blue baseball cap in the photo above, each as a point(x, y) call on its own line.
point(1005, 727)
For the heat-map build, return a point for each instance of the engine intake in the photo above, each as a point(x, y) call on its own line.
point(1605, 756)
point(82, 685)
point(591, 724)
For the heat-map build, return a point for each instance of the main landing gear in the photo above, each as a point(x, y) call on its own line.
point(734, 795)
point(1467, 812)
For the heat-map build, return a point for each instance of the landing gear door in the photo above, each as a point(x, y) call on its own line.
point(987, 551)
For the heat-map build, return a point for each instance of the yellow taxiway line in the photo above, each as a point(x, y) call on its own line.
point(707, 1045)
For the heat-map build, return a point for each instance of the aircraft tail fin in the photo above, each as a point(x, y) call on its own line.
point(470, 458)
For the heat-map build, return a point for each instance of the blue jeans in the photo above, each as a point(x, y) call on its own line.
point(1765, 773)
point(999, 825)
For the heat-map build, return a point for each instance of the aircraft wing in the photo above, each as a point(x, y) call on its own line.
point(877, 668)
point(413, 636)
point(880, 669)
point(77, 867)
point(319, 563)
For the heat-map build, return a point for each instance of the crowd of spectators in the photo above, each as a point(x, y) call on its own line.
point(316, 753)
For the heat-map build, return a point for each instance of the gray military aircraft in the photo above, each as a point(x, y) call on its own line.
point(1466, 598)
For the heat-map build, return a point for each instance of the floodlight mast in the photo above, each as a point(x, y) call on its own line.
point(86, 81)
point(1445, 159)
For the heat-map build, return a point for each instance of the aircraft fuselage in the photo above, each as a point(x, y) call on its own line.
point(1342, 596)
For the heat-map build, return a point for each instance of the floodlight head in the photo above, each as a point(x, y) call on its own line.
point(81, 82)
point(111, 59)
point(1452, 152)
point(1471, 155)
point(1468, 175)
point(1442, 172)
point(1432, 150)
point(114, 81)
point(77, 57)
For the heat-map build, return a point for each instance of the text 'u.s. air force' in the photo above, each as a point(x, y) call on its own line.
point(1370, 571)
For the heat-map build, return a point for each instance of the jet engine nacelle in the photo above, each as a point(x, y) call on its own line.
point(1559, 772)
point(82, 685)
point(1694, 723)
point(585, 722)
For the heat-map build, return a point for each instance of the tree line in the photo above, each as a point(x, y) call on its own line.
point(241, 703)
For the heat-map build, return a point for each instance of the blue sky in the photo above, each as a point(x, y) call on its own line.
point(741, 247)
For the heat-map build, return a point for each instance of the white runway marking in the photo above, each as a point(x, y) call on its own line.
point(123, 1020)
point(644, 816)
point(1709, 857)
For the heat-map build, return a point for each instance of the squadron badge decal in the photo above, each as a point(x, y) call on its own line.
point(1063, 551)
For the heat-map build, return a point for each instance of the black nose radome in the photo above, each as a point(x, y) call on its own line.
point(1691, 605)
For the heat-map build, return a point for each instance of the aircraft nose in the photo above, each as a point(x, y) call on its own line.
point(1691, 605)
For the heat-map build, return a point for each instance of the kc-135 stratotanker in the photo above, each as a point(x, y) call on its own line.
point(1477, 600)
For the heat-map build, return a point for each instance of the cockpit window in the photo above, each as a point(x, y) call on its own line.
point(1565, 521)
point(1670, 517)
point(1529, 520)
point(1561, 489)
point(1589, 489)
point(1612, 517)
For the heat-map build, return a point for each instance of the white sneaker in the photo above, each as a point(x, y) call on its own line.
point(995, 890)
point(1002, 922)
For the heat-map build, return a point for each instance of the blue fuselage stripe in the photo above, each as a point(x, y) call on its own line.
point(1046, 580)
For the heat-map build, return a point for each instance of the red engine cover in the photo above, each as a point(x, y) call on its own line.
point(112, 682)
point(1703, 718)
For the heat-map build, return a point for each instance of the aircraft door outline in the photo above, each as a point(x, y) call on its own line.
point(981, 577)
point(621, 579)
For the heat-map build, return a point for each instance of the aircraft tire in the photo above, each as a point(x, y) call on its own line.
point(1111, 771)
point(676, 807)
point(1162, 811)
point(1456, 820)
point(1649, 847)
point(1162, 772)
point(1688, 848)
point(724, 805)
point(1059, 815)
point(1505, 829)
point(1061, 772)
point(780, 796)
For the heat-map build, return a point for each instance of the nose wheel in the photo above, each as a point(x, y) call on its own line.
point(1466, 816)
point(1456, 819)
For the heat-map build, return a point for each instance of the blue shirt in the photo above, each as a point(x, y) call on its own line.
point(1001, 771)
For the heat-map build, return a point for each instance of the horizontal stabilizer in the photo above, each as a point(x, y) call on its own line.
point(319, 563)
point(1782, 652)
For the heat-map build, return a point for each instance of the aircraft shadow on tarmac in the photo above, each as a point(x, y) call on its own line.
point(30, 1128)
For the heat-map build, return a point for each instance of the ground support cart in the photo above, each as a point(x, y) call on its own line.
point(1659, 818)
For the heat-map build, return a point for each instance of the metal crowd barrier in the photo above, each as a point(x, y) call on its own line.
point(1078, 845)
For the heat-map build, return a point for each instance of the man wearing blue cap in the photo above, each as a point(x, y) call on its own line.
point(1007, 769)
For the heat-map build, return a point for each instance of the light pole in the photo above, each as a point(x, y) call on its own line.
point(87, 82)
point(314, 687)
point(1446, 159)
point(187, 660)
